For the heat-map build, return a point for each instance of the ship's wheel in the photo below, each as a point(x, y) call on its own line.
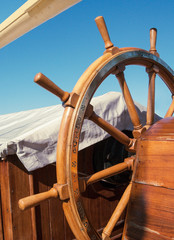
point(78, 107)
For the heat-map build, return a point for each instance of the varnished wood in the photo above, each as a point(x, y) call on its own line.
point(49, 214)
point(70, 131)
point(1, 223)
point(153, 36)
point(108, 172)
point(46, 83)
point(98, 200)
point(33, 213)
point(15, 223)
point(170, 111)
point(50, 220)
point(155, 155)
point(61, 148)
point(5, 200)
point(161, 131)
point(150, 174)
point(117, 213)
point(128, 98)
point(150, 212)
point(103, 31)
point(36, 199)
point(151, 96)
point(114, 132)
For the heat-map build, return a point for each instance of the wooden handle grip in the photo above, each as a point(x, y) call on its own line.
point(34, 200)
point(46, 83)
point(153, 36)
point(103, 31)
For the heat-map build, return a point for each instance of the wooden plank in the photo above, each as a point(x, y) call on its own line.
point(1, 226)
point(154, 163)
point(33, 213)
point(6, 200)
point(49, 214)
point(161, 130)
point(57, 228)
point(19, 187)
point(16, 224)
point(150, 213)
point(42, 211)
point(67, 231)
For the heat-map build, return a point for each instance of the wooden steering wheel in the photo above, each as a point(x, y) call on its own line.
point(78, 107)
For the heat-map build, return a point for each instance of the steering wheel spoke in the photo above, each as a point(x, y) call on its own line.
point(151, 95)
point(119, 73)
point(111, 171)
point(170, 111)
point(117, 213)
point(113, 131)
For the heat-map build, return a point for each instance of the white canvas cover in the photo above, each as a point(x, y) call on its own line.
point(32, 135)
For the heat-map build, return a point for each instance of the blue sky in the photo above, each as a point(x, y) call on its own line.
point(63, 47)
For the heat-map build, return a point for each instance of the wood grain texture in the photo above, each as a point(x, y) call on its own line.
point(128, 99)
point(117, 212)
point(1, 223)
point(170, 110)
point(151, 97)
point(150, 213)
point(49, 214)
point(5, 200)
point(46, 83)
point(113, 131)
point(154, 164)
point(153, 36)
point(151, 208)
point(99, 201)
point(161, 130)
point(33, 213)
point(103, 31)
point(50, 222)
point(15, 223)
point(68, 144)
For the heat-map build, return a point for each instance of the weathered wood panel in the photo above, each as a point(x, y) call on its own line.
point(15, 185)
point(1, 226)
point(150, 213)
point(151, 207)
point(154, 163)
point(47, 221)
point(49, 214)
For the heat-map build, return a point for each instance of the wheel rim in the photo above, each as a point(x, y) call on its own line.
point(87, 88)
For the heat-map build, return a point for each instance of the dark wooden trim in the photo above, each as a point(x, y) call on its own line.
point(6, 200)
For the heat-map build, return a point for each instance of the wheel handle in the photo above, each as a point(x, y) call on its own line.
point(46, 83)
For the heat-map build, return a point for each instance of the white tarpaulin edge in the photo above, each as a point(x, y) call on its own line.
point(32, 135)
